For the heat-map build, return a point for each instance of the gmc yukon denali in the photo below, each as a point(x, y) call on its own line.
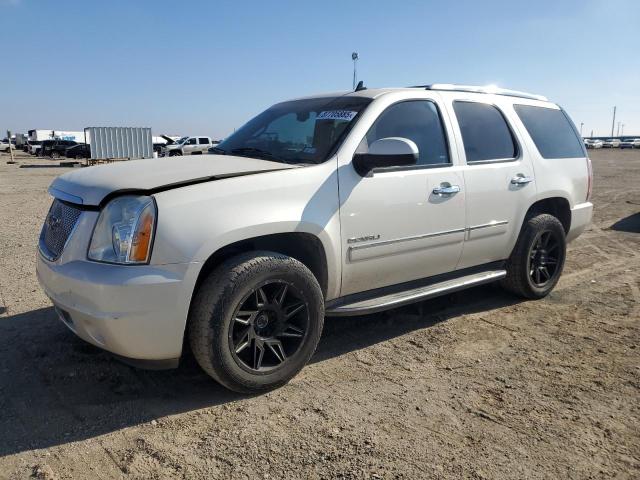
point(332, 205)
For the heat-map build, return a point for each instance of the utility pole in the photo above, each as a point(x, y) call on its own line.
point(354, 57)
point(581, 125)
point(622, 131)
point(618, 131)
point(591, 133)
point(614, 120)
point(10, 146)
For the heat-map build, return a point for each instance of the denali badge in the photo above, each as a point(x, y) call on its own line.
point(366, 238)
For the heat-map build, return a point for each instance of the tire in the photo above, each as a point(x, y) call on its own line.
point(230, 296)
point(175, 153)
point(530, 256)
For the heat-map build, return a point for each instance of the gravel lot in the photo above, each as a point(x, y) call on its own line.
point(476, 385)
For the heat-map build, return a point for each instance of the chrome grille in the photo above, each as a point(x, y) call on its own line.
point(57, 228)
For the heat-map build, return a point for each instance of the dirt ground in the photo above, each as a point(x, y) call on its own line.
point(475, 385)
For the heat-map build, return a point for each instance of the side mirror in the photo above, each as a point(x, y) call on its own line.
point(386, 152)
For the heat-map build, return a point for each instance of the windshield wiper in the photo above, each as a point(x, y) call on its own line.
point(257, 153)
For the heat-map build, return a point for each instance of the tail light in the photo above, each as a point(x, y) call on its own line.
point(590, 182)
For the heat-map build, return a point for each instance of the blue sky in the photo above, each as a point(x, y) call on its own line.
point(205, 67)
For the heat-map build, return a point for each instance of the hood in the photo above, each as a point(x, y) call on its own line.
point(89, 186)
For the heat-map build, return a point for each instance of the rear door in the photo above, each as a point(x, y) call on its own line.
point(203, 144)
point(498, 175)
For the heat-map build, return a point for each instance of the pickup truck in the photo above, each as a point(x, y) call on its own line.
point(188, 146)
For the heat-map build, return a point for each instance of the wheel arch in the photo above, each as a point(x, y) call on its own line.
point(559, 207)
point(304, 247)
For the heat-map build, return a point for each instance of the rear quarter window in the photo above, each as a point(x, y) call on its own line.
point(551, 131)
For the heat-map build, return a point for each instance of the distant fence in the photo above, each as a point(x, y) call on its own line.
point(119, 142)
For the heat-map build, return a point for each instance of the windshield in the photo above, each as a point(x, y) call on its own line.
point(299, 132)
point(182, 140)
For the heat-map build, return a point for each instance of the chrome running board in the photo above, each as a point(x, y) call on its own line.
point(340, 307)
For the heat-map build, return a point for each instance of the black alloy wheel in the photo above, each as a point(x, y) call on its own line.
point(536, 262)
point(256, 320)
point(543, 258)
point(269, 326)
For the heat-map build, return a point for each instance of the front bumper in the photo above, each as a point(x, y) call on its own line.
point(138, 312)
point(580, 219)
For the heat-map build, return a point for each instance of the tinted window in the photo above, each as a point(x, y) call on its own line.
point(204, 141)
point(416, 120)
point(485, 133)
point(551, 131)
point(192, 141)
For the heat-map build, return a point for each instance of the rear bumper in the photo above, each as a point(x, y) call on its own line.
point(137, 312)
point(580, 219)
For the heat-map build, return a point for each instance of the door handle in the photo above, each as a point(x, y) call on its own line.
point(521, 179)
point(446, 189)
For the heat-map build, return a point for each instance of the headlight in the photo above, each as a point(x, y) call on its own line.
point(124, 232)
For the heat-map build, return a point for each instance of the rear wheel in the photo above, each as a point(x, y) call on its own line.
point(256, 321)
point(536, 263)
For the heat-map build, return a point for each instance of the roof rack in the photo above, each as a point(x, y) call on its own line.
point(492, 89)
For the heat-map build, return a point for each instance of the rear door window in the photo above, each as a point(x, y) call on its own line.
point(551, 131)
point(204, 141)
point(485, 133)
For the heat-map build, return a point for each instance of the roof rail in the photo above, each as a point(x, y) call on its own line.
point(492, 89)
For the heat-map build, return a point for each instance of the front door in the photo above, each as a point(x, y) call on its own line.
point(402, 223)
point(190, 146)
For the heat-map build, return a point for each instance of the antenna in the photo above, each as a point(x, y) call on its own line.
point(354, 57)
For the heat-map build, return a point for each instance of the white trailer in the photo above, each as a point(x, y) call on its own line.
point(39, 135)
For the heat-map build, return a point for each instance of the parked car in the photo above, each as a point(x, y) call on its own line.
point(159, 148)
point(243, 253)
point(59, 147)
point(34, 147)
point(4, 146)
point(188, 146)
point(45, 148)
point(81, 150)
point(589, 143)
point(611, 143)
point(630, 143)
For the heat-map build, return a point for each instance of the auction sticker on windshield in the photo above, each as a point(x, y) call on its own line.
point(346, 115)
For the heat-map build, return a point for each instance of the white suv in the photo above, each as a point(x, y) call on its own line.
point(342, 204)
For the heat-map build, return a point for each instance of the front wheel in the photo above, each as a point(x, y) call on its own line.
point(256, 321)
point(535, 265)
